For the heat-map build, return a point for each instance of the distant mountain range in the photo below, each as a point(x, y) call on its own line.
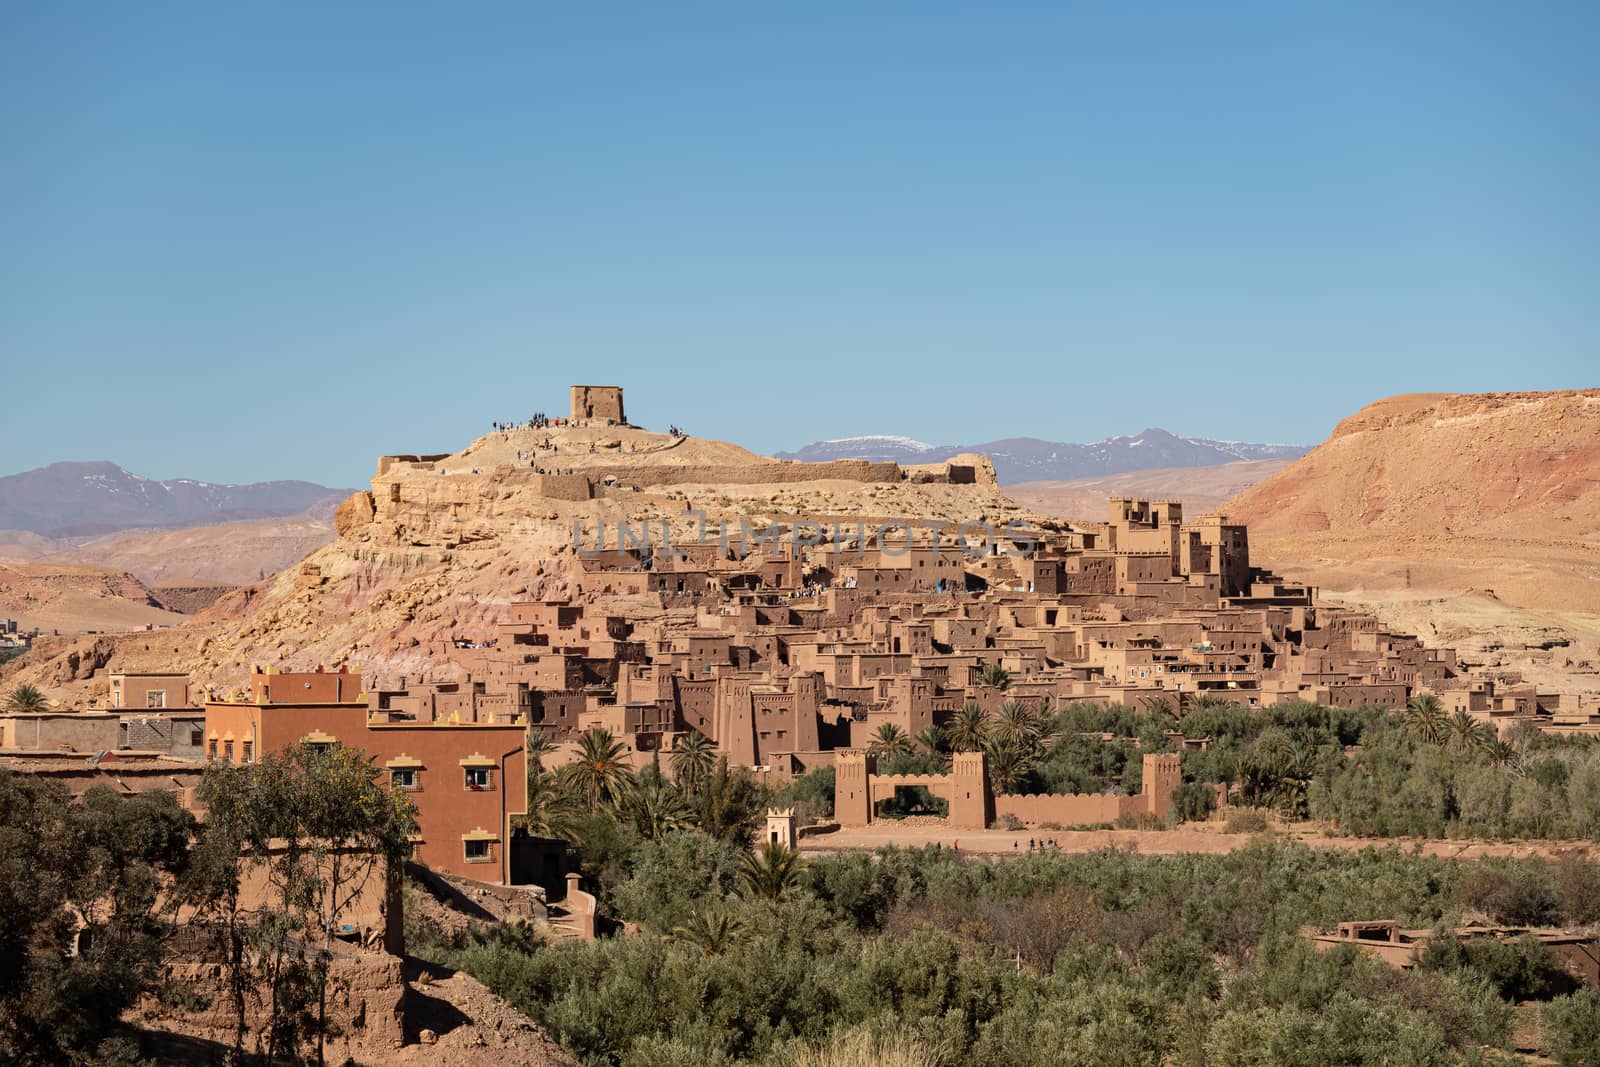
point(1029, 459)
point(90, 499)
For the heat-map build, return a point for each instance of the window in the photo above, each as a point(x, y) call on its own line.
point(249, 752)
point(156, 698)
point(227, 751)
point(403, 777)
point(211, 750)
point(477, 851)
point(477, 778)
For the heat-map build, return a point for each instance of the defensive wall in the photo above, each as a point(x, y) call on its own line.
point(858, 788)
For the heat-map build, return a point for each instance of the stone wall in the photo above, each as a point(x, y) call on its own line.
point(845, 470)
point(1066, 809)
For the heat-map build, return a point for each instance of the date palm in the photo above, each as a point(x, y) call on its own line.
point(890, 740)
point(538, 748)
point(26, 699)
point(1425, 717)
point(601, 773)
point(1471, 733)
point(968, 729)
point(1501, 754)
point(931, 738)
point(995, 676)
point(692, 758)
point(770, 871)
point(655, 808)
point(711, 930)
point(1016, 726)
point(1007, 767)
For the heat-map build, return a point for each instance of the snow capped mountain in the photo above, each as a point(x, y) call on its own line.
point(1030, 459)
point(80, 499)
point(875, 447)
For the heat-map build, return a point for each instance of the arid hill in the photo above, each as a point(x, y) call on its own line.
point(1492, 464)
point(72, 598)
point(1201, 489)
point(440, 545)
point(1469, 519)
point(232, 553)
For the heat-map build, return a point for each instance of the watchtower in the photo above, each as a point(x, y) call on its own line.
point(971, 803)
point(598, 403)
point(852, 795)
point(1162, 774)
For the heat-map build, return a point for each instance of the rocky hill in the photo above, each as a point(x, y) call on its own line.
point(1507, 464)
point(440, 545)
point(1472, 520)
point(73, 599)
point(1029, 459)
point(84, 499)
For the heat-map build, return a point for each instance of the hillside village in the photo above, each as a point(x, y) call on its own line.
point(786, 643)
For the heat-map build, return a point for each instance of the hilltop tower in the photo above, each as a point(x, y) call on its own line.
point(598, 403)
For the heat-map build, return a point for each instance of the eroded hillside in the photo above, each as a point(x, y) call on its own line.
point(1470, 519)
point(440, 545)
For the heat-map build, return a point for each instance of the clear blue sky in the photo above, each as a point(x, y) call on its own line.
point(244, 241)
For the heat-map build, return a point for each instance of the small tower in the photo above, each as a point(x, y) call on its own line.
point(852, 798)
point(971, 802)
point(780, 827)
point(1162, 773)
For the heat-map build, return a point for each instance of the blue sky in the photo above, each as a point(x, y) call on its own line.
point(249, 241)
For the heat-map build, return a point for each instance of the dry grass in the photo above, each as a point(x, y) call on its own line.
point(865, 1048)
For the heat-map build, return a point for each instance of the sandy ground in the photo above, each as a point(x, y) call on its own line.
point(1209, 838)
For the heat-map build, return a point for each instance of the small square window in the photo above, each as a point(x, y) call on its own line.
point(477, 851)
point(403, 777)
point(477, 778)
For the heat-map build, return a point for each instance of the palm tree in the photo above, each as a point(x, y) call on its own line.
point(1425, 716)
point(1469, 732)
point(655, 807)
point(26, 699)
point(1015, 726)
point(601, 772)
point(968, 729)
point(995, 676)
point(553, 808)
point(691, 759)
point(1007, 767)
point(770, 871)
point(712, 930)
point(890, 740)
point(931, 738)
point(1501, 754)
point(537, 747)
